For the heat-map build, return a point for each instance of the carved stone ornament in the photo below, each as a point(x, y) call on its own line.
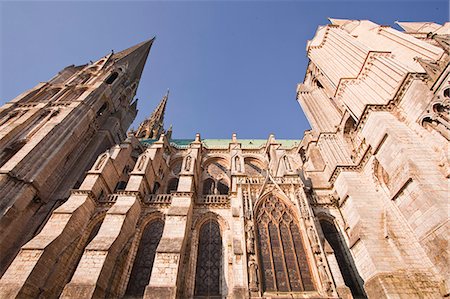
point(250, 238)
point(187, 165)
point(326, 282)
point(101, 161)
point(253, 273)
point(313, 240)
point(237, 164)
point(141, 162)
point(287, 164)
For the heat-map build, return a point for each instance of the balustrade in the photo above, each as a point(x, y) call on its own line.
point(158, 199)
point(213, 199)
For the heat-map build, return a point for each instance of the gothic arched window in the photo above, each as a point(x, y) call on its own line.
point(172, 186)
point(284, 265)
point(156, 188)
point(143, 263)
point(112, 78)
point(102, 109)
point(349, 133)
point(121, 185)
point(209, 260)
point(208, 186)
point(222, 187)
point(349, 273)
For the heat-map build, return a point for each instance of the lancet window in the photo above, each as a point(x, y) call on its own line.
point(112, 78)
point(209, 261)
point(172, 185)
point(344, 260)
point(143, 263)
point(216, 178)
point(40, 95)
point(283, 262)
point(15, 145)
point(210, 186)
point(156, 186)
point(71, 95)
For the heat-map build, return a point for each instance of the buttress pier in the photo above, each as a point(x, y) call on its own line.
point(50, 135)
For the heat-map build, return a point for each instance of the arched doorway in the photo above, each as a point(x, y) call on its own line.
point(346, 265)
point(209, 261)
point(143, 263)
point(283, 262)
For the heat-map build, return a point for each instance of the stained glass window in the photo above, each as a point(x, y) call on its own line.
point(283, 261)
point(143, 263)
point(209, 260)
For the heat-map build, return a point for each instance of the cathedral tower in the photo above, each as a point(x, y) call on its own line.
point(50, 135)
point(377, 155)
point(356, 209)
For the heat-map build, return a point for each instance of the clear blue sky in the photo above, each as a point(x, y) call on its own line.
point(230, 66)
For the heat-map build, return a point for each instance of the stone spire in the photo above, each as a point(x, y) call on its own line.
point(443, 41)
point(134, 58)
point(433, 68)
point(153, 127)
point(169, 132)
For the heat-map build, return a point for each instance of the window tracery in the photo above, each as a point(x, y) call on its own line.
point(216, 178)
point(209, 260)
point(70, 95)
point(176, 167)
point(41, 95)
point(143, 264)
point(283, 260)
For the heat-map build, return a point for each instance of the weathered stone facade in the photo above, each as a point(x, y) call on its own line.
point(357, 208)
point(50, 135)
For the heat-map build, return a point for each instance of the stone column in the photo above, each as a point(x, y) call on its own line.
point(240, 289)
point(308, 228)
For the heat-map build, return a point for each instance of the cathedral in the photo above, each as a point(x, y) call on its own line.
point(357, 208)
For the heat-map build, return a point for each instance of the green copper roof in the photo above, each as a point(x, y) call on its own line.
point(224, 143)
